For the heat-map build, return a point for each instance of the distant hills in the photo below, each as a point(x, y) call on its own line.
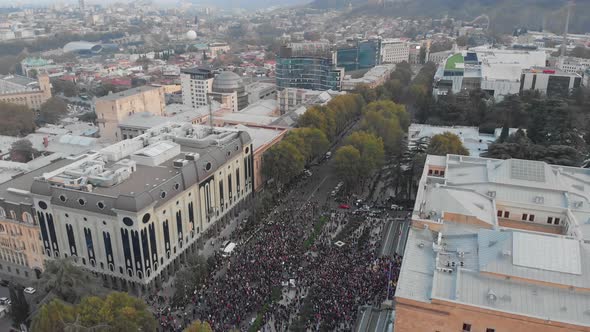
point(505, 14)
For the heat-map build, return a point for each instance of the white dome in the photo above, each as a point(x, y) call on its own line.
point(191, 34)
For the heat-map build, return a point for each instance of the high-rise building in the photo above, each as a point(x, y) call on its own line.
point(116, 107)
point(362, 55)
point(197, 84)
point(308, 66)
point(130, 212)
point(496, 245)
point(81, 5)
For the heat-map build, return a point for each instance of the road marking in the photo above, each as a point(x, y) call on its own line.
point(311, 195)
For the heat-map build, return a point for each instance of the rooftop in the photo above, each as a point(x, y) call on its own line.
point(127, 93)
point(471, 256)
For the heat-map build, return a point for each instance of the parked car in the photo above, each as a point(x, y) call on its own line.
point(30, 290)
point(344, 206)
point(4, 301)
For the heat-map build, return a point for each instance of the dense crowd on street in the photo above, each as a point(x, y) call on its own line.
point(330, 281)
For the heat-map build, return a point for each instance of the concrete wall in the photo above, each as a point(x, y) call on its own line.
point(111, 112)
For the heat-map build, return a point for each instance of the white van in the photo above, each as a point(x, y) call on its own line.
point(228, 250)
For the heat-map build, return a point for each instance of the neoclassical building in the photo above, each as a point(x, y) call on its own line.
point(134, 210)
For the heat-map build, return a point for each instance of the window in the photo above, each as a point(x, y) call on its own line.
point(556, 221)
point(490, 330)
point(466, 327)
point(525, 216)
point(532, 217)
point(506, 214)
point(499, 214)
point(550, 220)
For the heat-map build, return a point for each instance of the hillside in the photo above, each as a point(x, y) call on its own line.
point(504, 14)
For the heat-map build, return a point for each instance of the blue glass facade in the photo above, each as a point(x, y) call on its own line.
point(364, 55)
point(315, 73)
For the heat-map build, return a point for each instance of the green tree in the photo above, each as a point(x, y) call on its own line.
point(65, 281)
point(22, 151)
point(53, 316)
point(388, 121)
point(446, 143)
point(348, 165)
point(53, 110)
point(33, 73)
point(118, 312)
point(370, 148)
point(16, 120)
point(282, 162)
point(198, 326)
point(19, 307)
point(312, 142)
point(68, 88)
point(189, 279)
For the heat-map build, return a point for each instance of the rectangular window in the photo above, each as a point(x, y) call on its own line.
point(506, 214)
point(532, 217)
point(556, 221)
point(499, 214)
point(525, 216)
point(466, 327)
point(550, 220)
point(490, 330)
point(429, 172)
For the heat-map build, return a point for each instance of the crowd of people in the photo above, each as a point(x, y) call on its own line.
point(304, 287)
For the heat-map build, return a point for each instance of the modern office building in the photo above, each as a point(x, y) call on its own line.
point(496, 245)
point(361, 55)
point(197, 84)
point(394, 50)
point(130, 212)
point(308, 66)
point(549, 81)
point(22, 90)
point(113, 108)
point(495, 71)
point(229, 90)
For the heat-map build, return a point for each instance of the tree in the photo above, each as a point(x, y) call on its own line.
point(22, 151)
point(16, 120)
point(388, 121)
point(348, 164)
point(370, 148)
point(33, 73)
point(189, 279)
point(312, 142)
point(198, 326)
point(118, 312)
point(53, 317)
point(446, 143)
point(65, 281)
point(53, 110)
point(68, 88)
point(282, 162)
point(19, 306)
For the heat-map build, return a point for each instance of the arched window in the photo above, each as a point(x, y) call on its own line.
point(2, 212)
point(28, 218)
